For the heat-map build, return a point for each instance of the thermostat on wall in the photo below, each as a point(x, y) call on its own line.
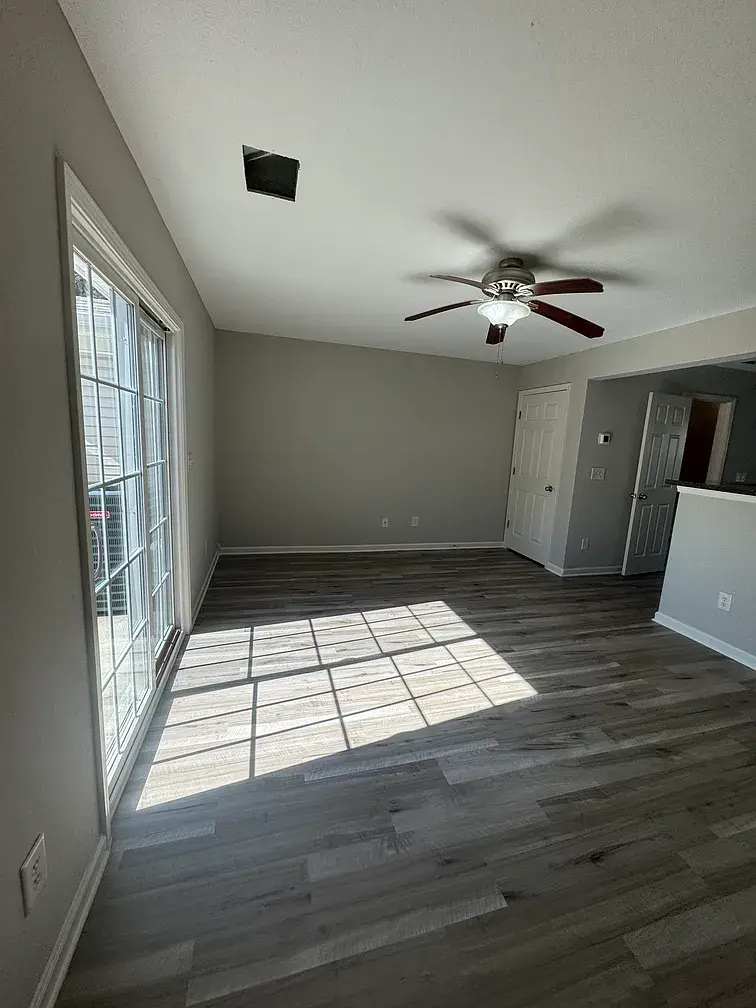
point(604, 438)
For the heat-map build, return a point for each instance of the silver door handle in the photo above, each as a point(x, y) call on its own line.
point(639, 496)
point(548, 489)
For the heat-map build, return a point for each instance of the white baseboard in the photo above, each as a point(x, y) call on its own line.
point(737, 654)
point(205, 586)
point(55, 971)
point(358, 548)
point(581, 571)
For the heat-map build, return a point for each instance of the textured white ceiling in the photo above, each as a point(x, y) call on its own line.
point(637, 120)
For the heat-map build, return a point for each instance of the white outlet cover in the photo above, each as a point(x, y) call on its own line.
point(415, 521)
point(34, 873)
point(724, 602)
point(384, 522)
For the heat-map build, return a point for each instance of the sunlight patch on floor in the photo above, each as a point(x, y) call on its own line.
point(249, 702)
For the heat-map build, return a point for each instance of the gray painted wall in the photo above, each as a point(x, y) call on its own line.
point(601, 510)
point(49, 103)
point(717, 339)
point(316, 442)
point(713, 550)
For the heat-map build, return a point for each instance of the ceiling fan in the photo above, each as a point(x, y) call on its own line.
point(511, 293)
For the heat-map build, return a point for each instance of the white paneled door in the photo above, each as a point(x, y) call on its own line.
point(536, 466)
point(653, 507)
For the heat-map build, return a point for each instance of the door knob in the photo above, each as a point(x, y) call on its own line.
point(548, 489)
point(639, 496)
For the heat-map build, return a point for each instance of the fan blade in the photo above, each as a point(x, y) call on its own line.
point(435, 311)
point(477, 232)
point(609, 224)
point(456, 279)
point(496, 334)
point(565, 318)
point(581, 285)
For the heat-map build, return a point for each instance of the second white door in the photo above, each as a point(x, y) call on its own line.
point(653, 508)
point(536, 467)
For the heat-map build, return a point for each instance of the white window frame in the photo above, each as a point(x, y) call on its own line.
point(80, 217)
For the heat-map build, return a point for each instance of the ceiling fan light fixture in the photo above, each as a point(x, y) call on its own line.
point(503, 312)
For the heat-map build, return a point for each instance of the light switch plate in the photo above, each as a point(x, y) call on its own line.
point(34, 874)
point(598, 472)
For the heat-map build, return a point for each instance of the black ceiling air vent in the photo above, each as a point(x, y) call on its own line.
point(270, 174)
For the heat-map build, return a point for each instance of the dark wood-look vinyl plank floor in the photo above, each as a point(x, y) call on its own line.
point(445, 779)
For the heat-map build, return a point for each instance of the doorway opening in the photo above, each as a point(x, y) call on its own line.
point(708, 438)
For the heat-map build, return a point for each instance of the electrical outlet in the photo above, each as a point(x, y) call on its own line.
point(741, 477)
point(384, 522)
point(724, 602)
point(415, 521)
point(585, 543)
point(598, 472)
point(34, 874)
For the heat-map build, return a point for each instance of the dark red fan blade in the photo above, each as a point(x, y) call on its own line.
point(580, 285)
point(496, 334)
point(435, 311)
point(455, 279)
point(565, 318)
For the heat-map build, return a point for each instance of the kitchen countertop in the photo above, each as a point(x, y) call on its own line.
point(746, 489)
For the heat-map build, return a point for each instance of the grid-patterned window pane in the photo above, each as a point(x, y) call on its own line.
point(137, 593)
point(84, 317)
point(115, 526)
point(156, 439)
point(130, 432)
point(148, 343)
point(142, 660)
point(109, 720)
point(162, 612)
point(110, 432)
point(91, 431)
point(126, 348)
point(97, 531)
point(133, 505)
point(125, 704)
point(104, 634)
point(121, 622)
point(158, 558)
point(104, 328)
point(156, 504)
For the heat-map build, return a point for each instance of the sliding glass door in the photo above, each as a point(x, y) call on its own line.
point(122, 370)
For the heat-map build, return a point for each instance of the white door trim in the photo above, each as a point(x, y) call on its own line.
point(564, 387)
point(543, 388)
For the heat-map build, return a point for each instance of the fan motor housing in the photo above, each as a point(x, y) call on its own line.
point(511, 270)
